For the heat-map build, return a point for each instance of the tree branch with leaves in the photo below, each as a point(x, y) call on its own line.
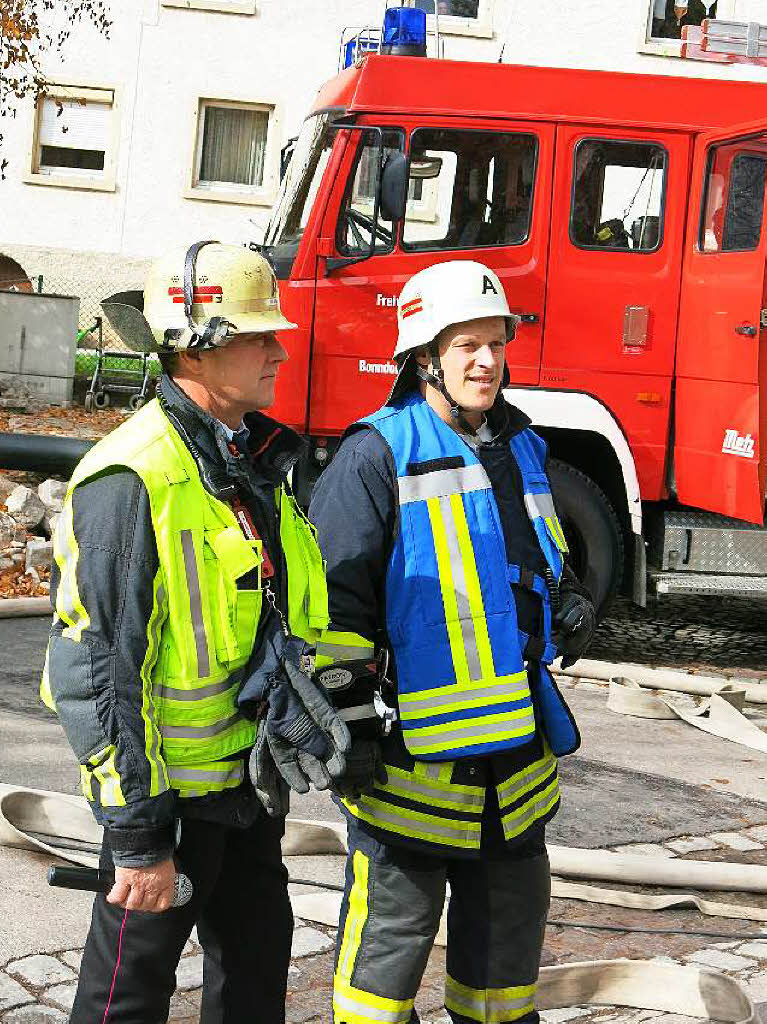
point(29, 31)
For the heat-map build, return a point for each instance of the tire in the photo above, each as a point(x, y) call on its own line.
point(89, 402)
point(135, 402)
point(101, 399)
point(593, 532)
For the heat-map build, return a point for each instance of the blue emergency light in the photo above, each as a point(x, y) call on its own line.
point(404, 32)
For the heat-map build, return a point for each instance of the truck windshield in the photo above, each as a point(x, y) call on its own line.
point(297, 192)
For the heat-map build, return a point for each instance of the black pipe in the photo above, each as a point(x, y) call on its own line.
point(41, 453)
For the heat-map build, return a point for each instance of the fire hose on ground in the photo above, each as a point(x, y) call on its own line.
point(62, 826)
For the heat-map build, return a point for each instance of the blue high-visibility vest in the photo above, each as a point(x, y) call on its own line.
point(463, 686)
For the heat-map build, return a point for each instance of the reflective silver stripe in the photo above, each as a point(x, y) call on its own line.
point(487, 1004)
point(154, 726)
point(461, 593)
point(195, 604)
point(433, 792)
point(473, 732)
point(342, 652)
point(514, 821)
point(355, 714)
point(539, 505)
point(513, 787)
point(430, 770)
point(492, 694)
point(200, 732)
point(442, 483)
point(380, 811)
point(199, 693)
point(346, 1003)
point(236, 771)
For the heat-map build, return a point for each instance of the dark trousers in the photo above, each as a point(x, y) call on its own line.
point(391, 910)
point(244, 923)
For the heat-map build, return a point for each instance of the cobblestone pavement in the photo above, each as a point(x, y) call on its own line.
point(39, 989)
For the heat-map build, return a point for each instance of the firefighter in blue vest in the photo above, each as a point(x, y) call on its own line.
point(445, 555)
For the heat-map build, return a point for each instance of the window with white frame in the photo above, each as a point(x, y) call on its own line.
point(74, 133)
point(459, 17)
point(234, 150)
point(222, 6)
point(670, 16)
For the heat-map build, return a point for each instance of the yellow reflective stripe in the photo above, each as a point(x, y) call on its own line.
point(439, 793)
point(353, 1006)
point(416, 824)
point(474, 591)
point(447, 588)
point(46, 695)
point(102, 766)
point(66, 551)
point(159, 781)
point(443, 771)
point(337, 645)
point(356, 916)
point(458, 688)
point(86, 783)
point(210, 776)
point(516, 821)
point(432, 707)
point(489, 1005)
point(555, 529)
point(467, 724)
point(522, 782)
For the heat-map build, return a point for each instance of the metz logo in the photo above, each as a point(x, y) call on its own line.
point(738, 444)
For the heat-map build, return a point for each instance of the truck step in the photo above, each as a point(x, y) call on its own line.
point(709, 584)
point(689, 541)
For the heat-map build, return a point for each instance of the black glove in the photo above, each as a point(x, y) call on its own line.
point(364, 767)
point(574, 625)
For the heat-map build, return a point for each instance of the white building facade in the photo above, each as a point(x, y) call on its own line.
point(170, 130)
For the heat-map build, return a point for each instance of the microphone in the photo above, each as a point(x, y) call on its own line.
point(98, 880)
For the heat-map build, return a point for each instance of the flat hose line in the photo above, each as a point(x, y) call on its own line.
point(37, 820)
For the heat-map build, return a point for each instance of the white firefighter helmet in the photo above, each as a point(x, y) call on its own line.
point(445, 294)
point(199, 298)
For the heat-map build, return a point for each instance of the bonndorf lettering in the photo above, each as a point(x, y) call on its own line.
point(366, 367)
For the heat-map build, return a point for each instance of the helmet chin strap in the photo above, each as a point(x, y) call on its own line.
point(435, 377)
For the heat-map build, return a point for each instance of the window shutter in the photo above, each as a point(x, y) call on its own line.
point(87, 124)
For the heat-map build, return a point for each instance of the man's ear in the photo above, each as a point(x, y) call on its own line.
point(422, 356)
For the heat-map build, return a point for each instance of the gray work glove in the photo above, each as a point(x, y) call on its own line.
point(574, 626)
point(271, 789)
point(306, 737)
point(364, 767)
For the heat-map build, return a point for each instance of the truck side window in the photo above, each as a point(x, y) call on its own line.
point(469, 189)
point(733, 208)
point(355, 219)
point(618, 195)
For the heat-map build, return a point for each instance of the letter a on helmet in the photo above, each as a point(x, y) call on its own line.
point(198, 298)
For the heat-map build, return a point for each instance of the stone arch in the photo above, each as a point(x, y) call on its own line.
point(13, 277)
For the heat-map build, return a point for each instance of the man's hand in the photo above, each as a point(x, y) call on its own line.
point(574, 627)
point(151, 889)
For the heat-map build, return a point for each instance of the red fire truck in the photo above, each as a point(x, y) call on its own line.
point(624, 215)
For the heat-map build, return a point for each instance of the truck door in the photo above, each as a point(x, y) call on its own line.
point(481, 192)
point(722, 340)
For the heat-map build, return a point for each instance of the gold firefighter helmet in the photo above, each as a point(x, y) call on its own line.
point(198, 298)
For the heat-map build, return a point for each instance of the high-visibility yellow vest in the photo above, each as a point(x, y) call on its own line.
point(203, 626)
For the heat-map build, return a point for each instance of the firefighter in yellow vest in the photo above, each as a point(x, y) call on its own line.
point(444, 551)
point(187, 589)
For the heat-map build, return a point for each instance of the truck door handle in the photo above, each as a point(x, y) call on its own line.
point(529, 318)
point(747, 329)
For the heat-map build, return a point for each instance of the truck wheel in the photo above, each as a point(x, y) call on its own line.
point(592, 529)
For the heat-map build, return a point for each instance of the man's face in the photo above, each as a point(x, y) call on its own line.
point(242, 374)
point(472, 358)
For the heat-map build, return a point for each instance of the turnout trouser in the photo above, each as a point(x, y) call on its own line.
point(244, 924)
point(390, 914)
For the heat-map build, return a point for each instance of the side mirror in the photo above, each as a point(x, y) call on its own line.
point(394, 187)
